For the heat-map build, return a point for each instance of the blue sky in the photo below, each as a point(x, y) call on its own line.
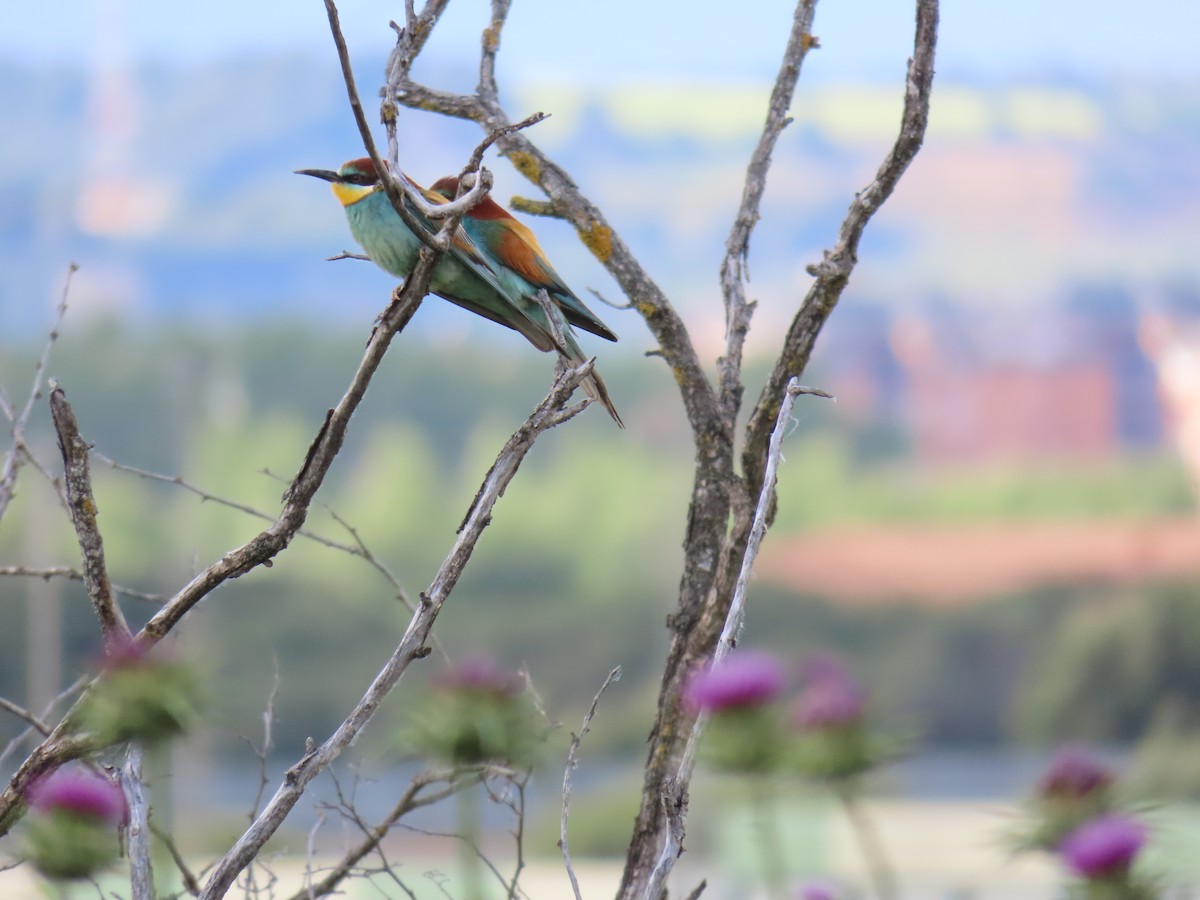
point(593, 41)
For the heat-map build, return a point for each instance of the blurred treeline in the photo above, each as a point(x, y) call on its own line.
point(579, 568)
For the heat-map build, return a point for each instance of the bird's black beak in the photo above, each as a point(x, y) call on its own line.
point(323, 174)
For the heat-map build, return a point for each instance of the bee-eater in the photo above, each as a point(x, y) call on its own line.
point(466, 274)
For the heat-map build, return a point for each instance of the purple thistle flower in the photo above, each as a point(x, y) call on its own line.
point(1074, 773)
point(80, 793)
point(742, 680)
point(1104, 846)
point(819, 890)
point(481, 675)
point(826, 666)
point(833, 697)
point(830, 704)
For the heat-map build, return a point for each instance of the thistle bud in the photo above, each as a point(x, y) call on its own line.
point(141, 695)
point(478, 713)
point(744, 732)
point(72, 826)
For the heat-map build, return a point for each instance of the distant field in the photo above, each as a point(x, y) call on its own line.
point(952, 564)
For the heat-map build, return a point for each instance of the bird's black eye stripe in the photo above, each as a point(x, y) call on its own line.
point(359, 178)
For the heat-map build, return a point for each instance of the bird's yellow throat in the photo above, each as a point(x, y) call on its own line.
point(351, 193)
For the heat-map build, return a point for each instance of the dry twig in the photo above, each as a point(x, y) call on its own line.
point(20, 449)
point(576, 740)
point(549, 413)
point(84, 511)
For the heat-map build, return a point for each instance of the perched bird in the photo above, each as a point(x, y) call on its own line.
point(498, 284)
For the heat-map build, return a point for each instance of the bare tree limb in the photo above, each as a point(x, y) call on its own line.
point(267, 544)
point(697, 621)
point(734, 274)
point(833, 272)
point(84, 511)
point(412, 646)
point(576, 740)
point(594, 230)
point(674, 798)
point(61, 745)
point(141, 873)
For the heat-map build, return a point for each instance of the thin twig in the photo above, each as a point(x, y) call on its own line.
point(208, 497)
point(675, 794)
point(78, 481)
point(20, 450)
point(576, 740)
point(12, 745)
point(73, 574)
point(190, 884)
point(550, 412)
point(263, 751)
point(734, 274)
point(412, 799)
point(833, 272)
point(22, 713)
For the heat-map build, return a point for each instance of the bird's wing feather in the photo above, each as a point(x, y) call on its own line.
point(465, 250)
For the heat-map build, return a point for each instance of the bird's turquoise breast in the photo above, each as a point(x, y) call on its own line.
point(383, 235)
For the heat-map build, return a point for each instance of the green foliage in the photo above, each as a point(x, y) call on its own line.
point(1108, 660)
point(822, 485)
point(580, 567)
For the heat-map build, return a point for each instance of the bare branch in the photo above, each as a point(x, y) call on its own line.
point(61, 745)
point(190, 884)
point(74, 575)
point(833, 272)
point(411, 799)
point(549, 413)
point(20, 450)
point(568, 202)
point(675, 793)
point(22, 713)
point(141, 873)
point(83, 516)
point(734, 274)
point(488, 90)
point(73, 689)
point(576, 740)
point(328, 442)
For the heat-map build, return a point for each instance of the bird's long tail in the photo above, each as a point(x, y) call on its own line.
point(553, 333)
point(593, 385)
